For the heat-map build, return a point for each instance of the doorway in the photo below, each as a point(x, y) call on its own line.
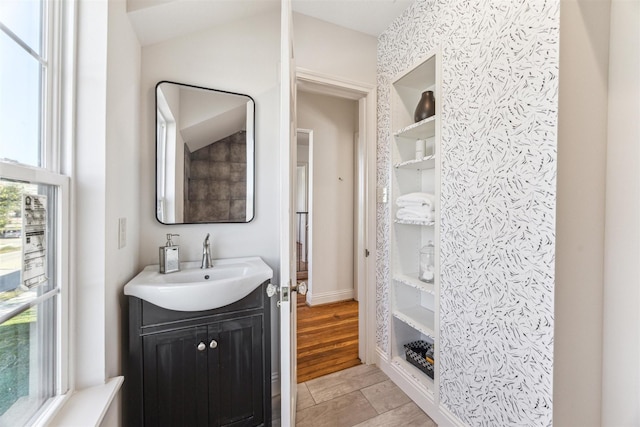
point(338, 313)
point(327, 325)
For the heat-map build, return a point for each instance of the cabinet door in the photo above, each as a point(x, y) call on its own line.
point(236, 392)
point(175, 378)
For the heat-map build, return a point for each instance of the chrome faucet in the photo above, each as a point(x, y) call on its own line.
point(206, 254)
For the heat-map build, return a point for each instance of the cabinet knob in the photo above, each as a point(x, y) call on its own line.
point(213, 344)
point(201, 346)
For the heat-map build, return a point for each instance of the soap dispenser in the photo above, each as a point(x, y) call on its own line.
point(169, 256)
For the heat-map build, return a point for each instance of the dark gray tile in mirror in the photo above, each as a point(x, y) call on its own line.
point(204, 155)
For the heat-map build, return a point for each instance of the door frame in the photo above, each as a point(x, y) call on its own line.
point(287, 119)
point(365, 229)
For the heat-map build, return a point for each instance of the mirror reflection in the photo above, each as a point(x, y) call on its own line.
point(204, 155)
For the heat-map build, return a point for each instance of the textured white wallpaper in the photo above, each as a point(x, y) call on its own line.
point(499, 114)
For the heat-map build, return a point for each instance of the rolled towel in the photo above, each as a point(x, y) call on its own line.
point(415, 213)
point(416, 199)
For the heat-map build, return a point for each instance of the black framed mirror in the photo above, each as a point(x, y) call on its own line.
point(205, 159)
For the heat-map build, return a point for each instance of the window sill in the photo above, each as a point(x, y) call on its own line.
point(87, 407)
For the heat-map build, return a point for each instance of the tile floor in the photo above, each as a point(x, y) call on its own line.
point(358, 396)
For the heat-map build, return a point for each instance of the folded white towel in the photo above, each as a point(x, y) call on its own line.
point(417, 211)
point(416, 199)
point(417, 214)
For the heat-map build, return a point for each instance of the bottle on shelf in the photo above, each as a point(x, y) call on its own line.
point(420, 149)
point(429, 148)
point(427, 255)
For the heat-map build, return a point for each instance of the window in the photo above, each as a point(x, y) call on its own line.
point(22, 80)
point(161, 131)
point(34, 212)
point(166, 161)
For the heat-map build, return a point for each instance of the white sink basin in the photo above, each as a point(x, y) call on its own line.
point(196, 289)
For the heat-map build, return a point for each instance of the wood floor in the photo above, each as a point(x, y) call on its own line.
point(327, 338)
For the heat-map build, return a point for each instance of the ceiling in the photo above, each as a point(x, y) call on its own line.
point(366, 16)
point(159, 20)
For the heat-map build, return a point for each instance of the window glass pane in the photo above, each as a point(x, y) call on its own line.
point(24, 19)
point(28, 342)
point(12, 239)
point(20, 104)
point(27, 363)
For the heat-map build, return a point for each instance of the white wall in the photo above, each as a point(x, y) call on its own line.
point(337, 51)
point(598, 228)
point(239, 57)
point(90, 195)
point(621, 343)
point(123, 191)
point(582, 143)
point(106, 186)
point(334, 122)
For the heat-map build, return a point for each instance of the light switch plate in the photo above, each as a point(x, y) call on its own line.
point(122, 232)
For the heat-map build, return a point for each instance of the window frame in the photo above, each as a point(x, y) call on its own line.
point(56, 132)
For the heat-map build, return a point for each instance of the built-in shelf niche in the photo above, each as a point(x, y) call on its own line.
point(414, 304)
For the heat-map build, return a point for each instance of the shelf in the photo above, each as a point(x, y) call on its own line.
point(416, 374)
point(414, 282)
point(420, 76)
point(413, 222)
point(418, 317)
point(421, 130)
point(414, 303)
point(428, 162)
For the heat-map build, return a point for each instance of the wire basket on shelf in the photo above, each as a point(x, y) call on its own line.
point(420, 354)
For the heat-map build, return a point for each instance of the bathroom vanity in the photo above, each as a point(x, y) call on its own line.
point(199, 368)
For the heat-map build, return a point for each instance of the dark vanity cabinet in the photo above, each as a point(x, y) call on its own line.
point(205, 368)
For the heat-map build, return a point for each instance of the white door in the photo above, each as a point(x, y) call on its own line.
point(288, 386)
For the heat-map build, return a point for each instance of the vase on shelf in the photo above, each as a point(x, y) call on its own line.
point(426, 106)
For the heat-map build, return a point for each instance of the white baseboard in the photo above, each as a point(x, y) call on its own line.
point(316, 298)
point(425, 399)
point(450, 417)
point(381, 357)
